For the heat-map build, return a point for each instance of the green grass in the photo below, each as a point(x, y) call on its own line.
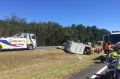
point(52, 64)
point(64, 70)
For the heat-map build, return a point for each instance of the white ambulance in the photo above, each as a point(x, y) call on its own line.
point(19, 41)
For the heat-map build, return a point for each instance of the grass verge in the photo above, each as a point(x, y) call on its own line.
point(42, 64)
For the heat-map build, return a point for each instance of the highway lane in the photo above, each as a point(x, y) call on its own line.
point(96, 71)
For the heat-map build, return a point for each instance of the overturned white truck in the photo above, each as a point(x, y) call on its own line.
point(77, 48)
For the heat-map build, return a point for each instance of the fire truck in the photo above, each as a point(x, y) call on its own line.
point(18, 41)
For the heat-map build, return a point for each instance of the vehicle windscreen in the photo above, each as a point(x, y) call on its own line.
point(115, 38)
point(17, 35)
point(20, 35)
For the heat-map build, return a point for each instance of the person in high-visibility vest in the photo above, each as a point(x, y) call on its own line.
point(113, 54)
point(110, 47)
point(106, 48)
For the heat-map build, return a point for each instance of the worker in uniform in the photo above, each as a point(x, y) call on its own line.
point(108, 51)
point(110, 47)
point(106, 48)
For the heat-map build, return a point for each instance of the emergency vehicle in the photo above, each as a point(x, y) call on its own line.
point(18, 41)
point(114, 37)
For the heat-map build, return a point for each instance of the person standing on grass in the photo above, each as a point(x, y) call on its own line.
point(106, 48)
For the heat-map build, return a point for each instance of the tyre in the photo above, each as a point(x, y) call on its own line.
point(30, 47)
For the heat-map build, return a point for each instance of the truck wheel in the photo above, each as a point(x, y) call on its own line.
point(30, 47)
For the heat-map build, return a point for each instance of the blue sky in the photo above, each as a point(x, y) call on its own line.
point(102, 13)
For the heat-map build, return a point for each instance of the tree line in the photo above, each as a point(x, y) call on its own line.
point(51, 33)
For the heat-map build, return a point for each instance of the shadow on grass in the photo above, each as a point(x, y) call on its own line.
point(97, 62)
point(100, 59)
point(68, 52)
point(7, 50)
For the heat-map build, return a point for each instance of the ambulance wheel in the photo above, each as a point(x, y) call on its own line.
point(30, 47)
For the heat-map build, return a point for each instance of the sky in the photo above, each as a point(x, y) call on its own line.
point(102, 13)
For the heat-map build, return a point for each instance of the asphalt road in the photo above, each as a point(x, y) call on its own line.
point(96, 71)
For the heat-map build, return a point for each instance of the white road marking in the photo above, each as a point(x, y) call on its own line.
point(100, 71)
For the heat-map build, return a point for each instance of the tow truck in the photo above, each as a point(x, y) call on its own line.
point(19, 41)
